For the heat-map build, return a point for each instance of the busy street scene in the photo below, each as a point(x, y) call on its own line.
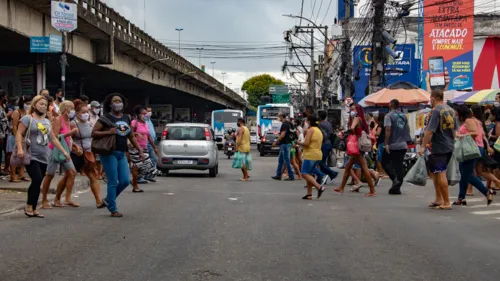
point(249, 140)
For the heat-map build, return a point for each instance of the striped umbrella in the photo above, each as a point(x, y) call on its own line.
point(482, 97)
point(461, 99)
point(453, 94)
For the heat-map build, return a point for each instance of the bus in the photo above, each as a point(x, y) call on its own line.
point(224, 120)
point(267, 117)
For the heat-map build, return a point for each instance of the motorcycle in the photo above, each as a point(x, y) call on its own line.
point(229, 146)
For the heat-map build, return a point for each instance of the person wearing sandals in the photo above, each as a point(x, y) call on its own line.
point(312, 155)
point(36, 128)
point(470, 128)
point(85, 161)
point(115, 164)
point(61, 126)
point(24, 106)
point(141, 168)
point(357, 124)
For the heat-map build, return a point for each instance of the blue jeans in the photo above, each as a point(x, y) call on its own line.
point(326, 149)
point(152, 155)
point(284, 157)
point(118, 173)
point(467, 176)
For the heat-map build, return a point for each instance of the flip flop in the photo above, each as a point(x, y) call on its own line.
point(137, 191)
point(370, 194)
point(59, 205)
point(443, 208)
point(338, 191)
point(46, 205)
point(25, 179)
point(16, 180)
point(72, 204)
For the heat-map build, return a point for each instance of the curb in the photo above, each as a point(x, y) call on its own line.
point(81, 184)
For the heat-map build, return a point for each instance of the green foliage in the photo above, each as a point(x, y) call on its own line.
point(258, 86)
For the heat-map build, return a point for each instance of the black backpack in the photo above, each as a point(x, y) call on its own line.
point(292, 132)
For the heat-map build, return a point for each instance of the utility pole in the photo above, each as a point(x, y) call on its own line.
point(312, 75)
point(346, 51)
point(223, 74)
point(199, 55)
point(378, 48)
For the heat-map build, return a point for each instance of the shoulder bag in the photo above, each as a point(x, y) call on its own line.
point(105, 145)
point(26, 146)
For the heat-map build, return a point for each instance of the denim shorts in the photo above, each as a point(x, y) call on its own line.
point(308, 166)
point(380, 151)
point(438, 163)
point(52, 166)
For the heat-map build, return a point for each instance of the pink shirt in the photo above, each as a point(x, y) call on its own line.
point(143, 130)
point(480, 133)
point(64, 130)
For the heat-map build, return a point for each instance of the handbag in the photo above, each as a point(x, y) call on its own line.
point(105, 145)
point(58, 156)
point(88, 156)
point(470, 150)
point(352, 145)
point(365, 144)
point(26, 146)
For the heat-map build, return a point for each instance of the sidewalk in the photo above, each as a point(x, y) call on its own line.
point(13, 195)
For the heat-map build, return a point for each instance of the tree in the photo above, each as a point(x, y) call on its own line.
point(258, 86)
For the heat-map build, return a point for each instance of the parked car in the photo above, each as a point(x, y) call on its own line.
point(267, 142)
point(188, 146)
point(253, 138)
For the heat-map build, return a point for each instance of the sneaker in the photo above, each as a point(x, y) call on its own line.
point(378, 181)
point(276, 178)
point(151, 180)
point(289, 179)
point(142, 181)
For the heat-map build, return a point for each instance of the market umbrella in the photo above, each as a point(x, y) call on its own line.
point(483, 97)
point(404, 96)
point(461, 99)
point(453, 94)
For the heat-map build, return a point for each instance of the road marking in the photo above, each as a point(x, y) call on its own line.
point(170, 193)
point(469, 199)
point(486, 212)
point(483, 206)
point(233, 199)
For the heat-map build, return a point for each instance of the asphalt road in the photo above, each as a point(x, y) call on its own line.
point(192, 227)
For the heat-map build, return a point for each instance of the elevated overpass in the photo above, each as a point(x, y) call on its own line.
point(107, 53)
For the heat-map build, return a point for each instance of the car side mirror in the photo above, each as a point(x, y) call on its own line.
point(218, 139)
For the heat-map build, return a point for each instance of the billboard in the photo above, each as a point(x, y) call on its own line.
point(448, 43)
point(404, 68)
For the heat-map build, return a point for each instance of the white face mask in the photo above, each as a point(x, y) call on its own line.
point(27, 107)
point(72, 114)
point(85, 116)
point(148, 115)
point(97, 111)
point(354, 113)
point(496, 104)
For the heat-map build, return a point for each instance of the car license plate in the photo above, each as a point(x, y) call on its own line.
point(276, 148)
point(185, 162)
point(229, 149)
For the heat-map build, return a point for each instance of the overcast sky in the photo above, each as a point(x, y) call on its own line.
point(256, 21)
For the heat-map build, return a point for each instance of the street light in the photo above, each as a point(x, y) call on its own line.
point(212, 62)
point(199, 55)
point(223, 73)
point(179, 29)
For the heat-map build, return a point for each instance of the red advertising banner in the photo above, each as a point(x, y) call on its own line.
point(448, 44)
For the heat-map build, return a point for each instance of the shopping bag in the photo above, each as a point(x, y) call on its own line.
point(248, 162)
point(470, 150)
point(237, 161)
point(352, 145)
point(452, 172)
point(458, 151)
point(496, 146)
point(57, 155)
point(417, 175)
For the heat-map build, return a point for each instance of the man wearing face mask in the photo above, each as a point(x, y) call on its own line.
point(151, 149)
point(95, 112)
point(59, 99)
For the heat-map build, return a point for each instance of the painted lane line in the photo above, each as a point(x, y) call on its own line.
point(483, 206)
point(486, 212)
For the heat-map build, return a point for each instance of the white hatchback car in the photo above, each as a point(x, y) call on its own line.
point(188, 146)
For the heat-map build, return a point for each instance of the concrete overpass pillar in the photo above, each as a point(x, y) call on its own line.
point(41, 75)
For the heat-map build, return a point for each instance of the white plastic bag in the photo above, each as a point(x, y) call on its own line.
point(452, 172)
point(417, 175)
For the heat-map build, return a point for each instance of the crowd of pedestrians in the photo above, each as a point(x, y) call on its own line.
point(44, 135)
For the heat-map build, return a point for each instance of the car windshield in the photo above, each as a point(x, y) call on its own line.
point(272, 112)
point(186, 133)
point(271, 135)
point(253, 133)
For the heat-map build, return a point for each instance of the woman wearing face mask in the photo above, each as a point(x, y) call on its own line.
point(61, 126)
point(141, 168)
point(40, 132)
point(20, 112)
point(85, 161)
point(115, 164)
point(357, 124)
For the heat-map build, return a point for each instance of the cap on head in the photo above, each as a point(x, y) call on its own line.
point(95, 104)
